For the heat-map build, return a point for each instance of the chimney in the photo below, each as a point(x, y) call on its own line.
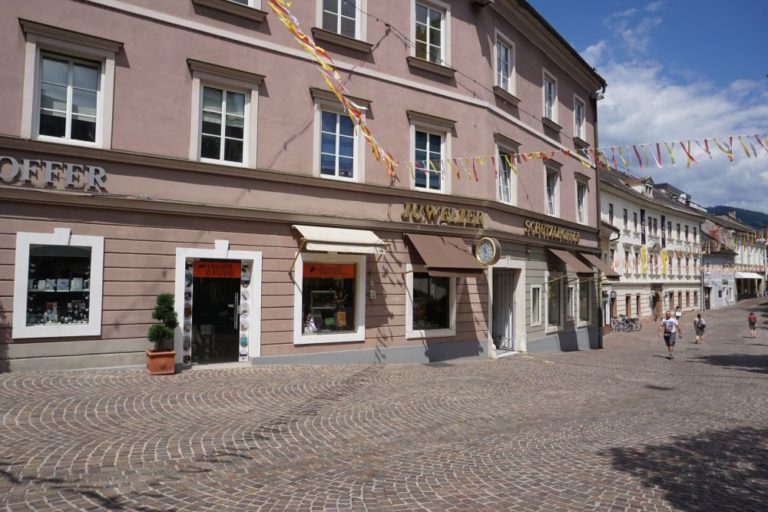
point(732, 214)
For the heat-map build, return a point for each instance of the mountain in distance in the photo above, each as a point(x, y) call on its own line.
point(751, 217)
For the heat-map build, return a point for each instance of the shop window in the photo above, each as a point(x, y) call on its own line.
point(329, 302)
point(554, 301)
point(69, 82)
point(585, 296)
point(535, 305)
point(58, 282)
point(430, 305)
point(570, 302)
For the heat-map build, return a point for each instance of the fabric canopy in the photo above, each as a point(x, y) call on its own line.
point(445, 256)
point(748, 275)
point(600, 265)
point(571, 261)
point(356, 241)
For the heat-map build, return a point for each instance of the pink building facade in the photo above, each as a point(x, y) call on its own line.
point(192, 147)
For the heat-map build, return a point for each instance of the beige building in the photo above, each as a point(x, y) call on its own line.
point(191, 147)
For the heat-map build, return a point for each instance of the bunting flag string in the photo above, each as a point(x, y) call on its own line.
point(332, 78)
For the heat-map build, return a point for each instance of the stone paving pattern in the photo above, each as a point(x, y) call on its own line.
point(616, 429)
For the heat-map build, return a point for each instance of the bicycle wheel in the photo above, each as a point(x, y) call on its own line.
point(638, 325)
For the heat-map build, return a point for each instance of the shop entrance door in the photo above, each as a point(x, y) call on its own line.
point(215, 305)
point(503, 331)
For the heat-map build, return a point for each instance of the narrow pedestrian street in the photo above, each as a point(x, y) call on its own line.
point(621, 428)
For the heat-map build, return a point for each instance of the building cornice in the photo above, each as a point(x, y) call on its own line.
point(273, 176)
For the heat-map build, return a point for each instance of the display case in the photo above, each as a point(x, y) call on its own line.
point(58, 290)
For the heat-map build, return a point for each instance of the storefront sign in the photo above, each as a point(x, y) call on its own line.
point(329, 270)
point(222, 269)
point(432, 214)
point(538, 229)
point(47, 173)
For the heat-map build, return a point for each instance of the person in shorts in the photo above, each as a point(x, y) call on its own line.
point(670, 328)
point(700, 326)
point(752, 319)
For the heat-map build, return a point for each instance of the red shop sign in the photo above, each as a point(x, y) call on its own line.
point(329, 270)
point(225, 269)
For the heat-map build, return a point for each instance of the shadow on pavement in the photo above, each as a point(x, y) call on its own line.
point(746, 362)
point(714, 470)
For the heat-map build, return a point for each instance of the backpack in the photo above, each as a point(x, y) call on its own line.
point(701, 323)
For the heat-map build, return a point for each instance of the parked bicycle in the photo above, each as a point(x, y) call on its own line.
point(624, 324)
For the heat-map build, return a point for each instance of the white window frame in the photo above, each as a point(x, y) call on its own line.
point(547, 276)
point(60, 236)
point(360, 20)
point(579, 131)
point(299, 338)
point(556, 203)
point(72, 46)
point(410, 333)
point(571, 303)
point(256, 4)
point(445, 29)
point(580, 322)
point(445, 151)
point(358, 165)
point(502, 150)
point(511, 77)
point(539, 309)
point(585, 204)
point(202, 77)
point(547, 75)
point(224, 91)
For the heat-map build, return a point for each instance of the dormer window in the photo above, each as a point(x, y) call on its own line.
point(648, 190)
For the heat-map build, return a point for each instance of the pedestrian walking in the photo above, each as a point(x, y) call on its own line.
point(678, 313)
point(700, 326)
point(670, 328)
point(752, 319)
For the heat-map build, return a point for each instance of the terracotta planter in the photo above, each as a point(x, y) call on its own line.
point(161, 363)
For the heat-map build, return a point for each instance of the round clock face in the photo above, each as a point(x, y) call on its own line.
point(486, 251)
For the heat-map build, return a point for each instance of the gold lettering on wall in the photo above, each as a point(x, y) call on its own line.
point(536, 229)
point(433, 214)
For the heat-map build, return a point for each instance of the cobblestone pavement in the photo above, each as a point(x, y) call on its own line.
point(616, 429)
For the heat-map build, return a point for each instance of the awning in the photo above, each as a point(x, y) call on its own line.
point(600, 265)
point(356, 241)
point(571, 261)
point(445, 256)
point(748, 275)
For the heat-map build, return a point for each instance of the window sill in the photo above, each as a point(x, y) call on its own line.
point(234, 9)
point(327, 36)
point(428, 190)
point(222, 162)
point(319, 339)
point(506, 95)
point(67, 142)
point(430, 333)
point(431, 67)
point(580, 143)
point(552, 125)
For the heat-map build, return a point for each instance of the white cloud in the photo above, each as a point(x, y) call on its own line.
point(594, 53)
point(654, 6)
point(641, 105)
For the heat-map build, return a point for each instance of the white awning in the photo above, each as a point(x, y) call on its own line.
point(355, 241)
point(748, 275)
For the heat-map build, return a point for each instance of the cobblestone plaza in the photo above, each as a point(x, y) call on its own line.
point(621, 428)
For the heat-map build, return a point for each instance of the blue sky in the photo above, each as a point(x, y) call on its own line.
point(679, 70)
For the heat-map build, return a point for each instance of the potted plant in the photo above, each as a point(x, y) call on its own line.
point(162, 359)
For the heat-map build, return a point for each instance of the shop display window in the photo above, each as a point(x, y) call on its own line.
point(329, 305)
point(328, 297)
point(57, 285)
point(58, 289)
point(431, 302)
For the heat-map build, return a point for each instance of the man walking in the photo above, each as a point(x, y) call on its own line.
point(752, 320)
point(670, 328)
